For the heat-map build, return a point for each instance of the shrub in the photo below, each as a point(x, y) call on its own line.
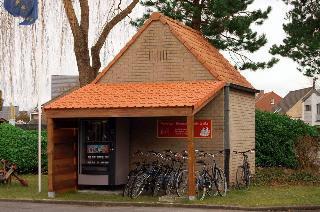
point(307, 150)
point(276, 136)
point(21, 147)
point(283, 176)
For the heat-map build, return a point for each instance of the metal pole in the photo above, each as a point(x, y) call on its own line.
point(39, 116)
point(39, 141)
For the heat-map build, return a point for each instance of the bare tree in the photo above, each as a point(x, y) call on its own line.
point(89, 62)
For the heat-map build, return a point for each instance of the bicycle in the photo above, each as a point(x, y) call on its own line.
point(210, 180)
point(145, 180)
point(171, 178)
point(243, 174)
point(132, 175)
point(218, 179)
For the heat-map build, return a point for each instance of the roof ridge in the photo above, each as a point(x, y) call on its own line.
point(158, 82)
point(160, 15)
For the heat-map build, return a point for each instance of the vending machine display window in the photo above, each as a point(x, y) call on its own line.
point(96, 150)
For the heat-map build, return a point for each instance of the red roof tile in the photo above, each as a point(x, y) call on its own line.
point(130, 95)
point(264, 102)
point(208, 55)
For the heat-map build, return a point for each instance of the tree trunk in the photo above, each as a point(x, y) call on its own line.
point(196, 18)
point(86, 74)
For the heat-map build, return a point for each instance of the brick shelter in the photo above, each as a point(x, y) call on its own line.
point(166, 72)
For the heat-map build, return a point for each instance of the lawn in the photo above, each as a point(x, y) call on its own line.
point(279, 195)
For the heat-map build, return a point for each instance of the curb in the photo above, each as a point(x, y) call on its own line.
point(169, 205)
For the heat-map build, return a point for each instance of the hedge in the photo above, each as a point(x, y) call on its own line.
point(275, 139)
point(21, 147)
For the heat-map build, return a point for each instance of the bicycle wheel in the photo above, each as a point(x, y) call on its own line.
point(247, 178)
point(158, 185)
point(240, 178)
point(201, 189)
point(139, 185)
point(220, 183)
point(171, 183)
point(128, 185)
point(182, 184)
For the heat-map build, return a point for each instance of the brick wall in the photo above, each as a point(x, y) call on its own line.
point(242, 129)
point(143, 133)
point(156, 56)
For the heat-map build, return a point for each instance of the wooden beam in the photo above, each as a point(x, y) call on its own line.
point(191, 159)
point(119, 112)
point(50, 129)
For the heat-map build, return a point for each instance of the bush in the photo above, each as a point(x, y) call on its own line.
point(283, 176)
point(276, 136)
point(21, 147)
point(307, 150)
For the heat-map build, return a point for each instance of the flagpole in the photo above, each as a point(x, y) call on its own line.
point(39, 117)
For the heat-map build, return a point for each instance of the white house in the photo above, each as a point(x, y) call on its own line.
point(303, 104)
point(311, 108)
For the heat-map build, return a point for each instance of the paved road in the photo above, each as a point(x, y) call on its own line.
point(42, 207)
point(37, 207)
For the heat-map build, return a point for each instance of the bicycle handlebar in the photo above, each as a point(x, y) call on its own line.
point(250, 150)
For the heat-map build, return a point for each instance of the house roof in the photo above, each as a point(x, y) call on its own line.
point(263, 101)
point(291, 99)
point(312, 91)
point(199, 46)
point(3, 120)
point(139, 95)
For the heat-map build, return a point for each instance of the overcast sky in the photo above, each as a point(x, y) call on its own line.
point(282, 78)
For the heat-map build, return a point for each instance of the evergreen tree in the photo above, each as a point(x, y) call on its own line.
point(225, 23)
point(302, 43)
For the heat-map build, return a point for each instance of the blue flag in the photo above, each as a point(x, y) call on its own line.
point(27, 9)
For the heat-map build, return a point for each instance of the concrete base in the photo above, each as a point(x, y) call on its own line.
point(12, 122)
point(114, 192)
point(51, 194)
point(192, 198)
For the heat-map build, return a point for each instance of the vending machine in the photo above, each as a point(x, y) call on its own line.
point(96, 154)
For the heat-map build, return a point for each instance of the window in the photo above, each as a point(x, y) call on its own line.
point(272, 101)
point(318, 109)
point(308, 108)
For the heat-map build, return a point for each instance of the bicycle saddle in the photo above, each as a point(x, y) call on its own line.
point(201, 162)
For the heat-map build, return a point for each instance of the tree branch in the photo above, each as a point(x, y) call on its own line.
point(95, 50)
point(72, 18)
point(114, 21)
point(84, 24)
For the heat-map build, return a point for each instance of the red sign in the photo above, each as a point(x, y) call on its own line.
point(178, 129)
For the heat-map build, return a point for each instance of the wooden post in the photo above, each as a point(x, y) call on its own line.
point(50, 129)
point(191, 159)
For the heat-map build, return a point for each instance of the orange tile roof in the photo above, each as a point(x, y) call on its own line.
point(208, 55)
point(264, 101)
point(138, 95)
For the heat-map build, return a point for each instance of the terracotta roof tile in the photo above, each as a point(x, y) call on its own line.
point(207, 55)
point(129, 95)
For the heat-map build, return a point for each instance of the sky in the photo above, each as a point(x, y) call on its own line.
point(52, 59)
point(284, 76)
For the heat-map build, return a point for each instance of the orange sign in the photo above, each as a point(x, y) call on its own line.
point(178, 129)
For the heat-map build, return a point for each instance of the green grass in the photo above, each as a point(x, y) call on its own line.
point(280, 195)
